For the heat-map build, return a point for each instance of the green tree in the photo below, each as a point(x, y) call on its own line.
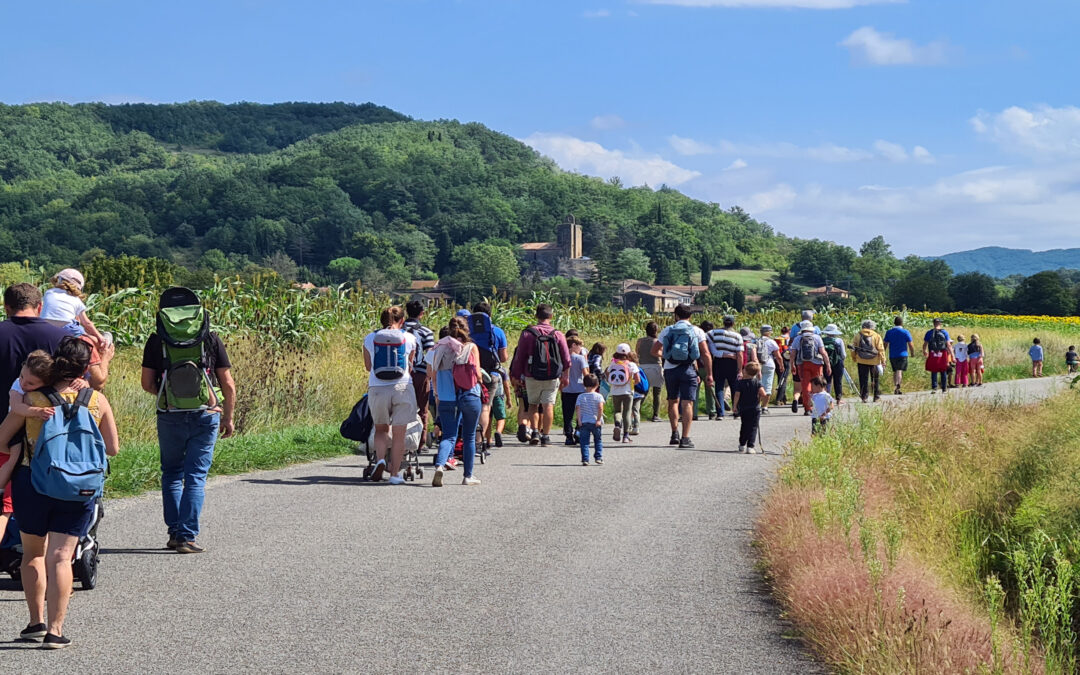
point(783, 288)
point(482, 267)
point(632, 263)
point(723, 293)
point(213, 260)
point(925, 286)
point(282, 264)
point(974, 290)
point(816, 262)
point(345, 270)
point(105, 274)
point(1043, 293)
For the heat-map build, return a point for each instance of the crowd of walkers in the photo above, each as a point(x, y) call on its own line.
point(467, 374)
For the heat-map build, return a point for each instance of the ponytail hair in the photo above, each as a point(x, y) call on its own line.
point(391, 316)
point(459, 329)
point(69, 287)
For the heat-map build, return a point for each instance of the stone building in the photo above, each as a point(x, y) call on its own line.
point(563, 257)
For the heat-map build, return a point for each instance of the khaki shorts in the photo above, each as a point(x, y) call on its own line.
point(393, 404)
point(541, 392)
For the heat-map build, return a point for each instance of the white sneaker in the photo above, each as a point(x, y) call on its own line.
point(436, 481)
point(396, 480)
point(751, 451)
point(470, 480)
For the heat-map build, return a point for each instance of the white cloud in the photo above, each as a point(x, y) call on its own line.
point(597, 14)
point(736, 165)
point(1044, 132)
point(774, 4)
point(826, 152)
point(893, 152)
point(607, 122)
point(869, 46)
point(575, 154)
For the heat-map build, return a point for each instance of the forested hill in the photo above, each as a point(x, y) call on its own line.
point(366, 184)
point(1002, 262)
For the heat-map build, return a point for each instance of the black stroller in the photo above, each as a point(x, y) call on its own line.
point(359, 427)
point(84, 564)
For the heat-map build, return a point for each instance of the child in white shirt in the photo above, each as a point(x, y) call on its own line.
point(822, 405)
point(63, 306)
point(621, 375)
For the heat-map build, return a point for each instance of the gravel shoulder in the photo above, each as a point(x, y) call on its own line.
point(641, 565)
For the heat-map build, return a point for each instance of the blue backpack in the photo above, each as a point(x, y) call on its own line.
point(642, 387)
point(69, 461)
point(389, 356)
point(681, 345)
point(482, 332)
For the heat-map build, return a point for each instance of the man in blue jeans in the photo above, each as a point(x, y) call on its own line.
point(187, 437)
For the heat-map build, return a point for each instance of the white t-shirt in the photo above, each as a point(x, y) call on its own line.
point(960, 349)
point(628, 386)
point(699, 335)
point(821, 403)
point(410, 349)
point(770, 348)
point(58, 305)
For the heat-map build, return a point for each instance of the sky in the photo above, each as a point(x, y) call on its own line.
point(943, 125)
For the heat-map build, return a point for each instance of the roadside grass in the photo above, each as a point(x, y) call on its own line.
point(137, 469)
point(938, 538)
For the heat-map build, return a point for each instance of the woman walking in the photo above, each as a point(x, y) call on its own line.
point(457, 389)
point(50, 527)
point(651, 366)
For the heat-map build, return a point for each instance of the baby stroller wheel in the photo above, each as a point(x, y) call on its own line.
point(86, 568)
point(420, 474)
point(483, 457)
point(367, 472)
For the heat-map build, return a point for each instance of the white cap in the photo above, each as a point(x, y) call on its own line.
point(72, 275)
point(806, 325)
point(622, 348)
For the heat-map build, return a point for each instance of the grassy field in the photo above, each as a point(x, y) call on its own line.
point(942, 538)
point(754, 282)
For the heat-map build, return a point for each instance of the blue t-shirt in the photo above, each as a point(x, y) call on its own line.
point(930, 334)
point(1036, 352)
point(898, 339)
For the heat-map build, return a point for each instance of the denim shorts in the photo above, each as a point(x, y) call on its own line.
point(681, 383)
point(38, 515)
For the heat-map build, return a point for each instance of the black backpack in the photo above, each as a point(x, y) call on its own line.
point(807, 348)
point(545, 362)
point(358, 425)
point(865, 348)
point(937, 342)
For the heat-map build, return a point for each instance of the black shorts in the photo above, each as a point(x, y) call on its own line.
point(899, 363)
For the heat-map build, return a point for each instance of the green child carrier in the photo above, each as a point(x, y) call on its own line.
point(183, 326)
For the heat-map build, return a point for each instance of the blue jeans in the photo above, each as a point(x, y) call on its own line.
point(465, 411)
point(187, 448)
point(934, 381)
point(594, 433)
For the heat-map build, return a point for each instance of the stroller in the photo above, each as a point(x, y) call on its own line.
point(84, 564)
point(359, 427)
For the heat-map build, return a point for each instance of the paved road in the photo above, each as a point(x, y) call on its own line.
point(641, 565)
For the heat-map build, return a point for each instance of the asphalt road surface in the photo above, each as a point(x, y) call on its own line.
point(641, 565)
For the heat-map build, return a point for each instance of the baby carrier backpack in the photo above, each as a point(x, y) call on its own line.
point(388, 358)
point(69, 461)
point(483, 335)
point(184, 329)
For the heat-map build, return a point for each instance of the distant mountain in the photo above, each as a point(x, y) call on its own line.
point(1001, 262)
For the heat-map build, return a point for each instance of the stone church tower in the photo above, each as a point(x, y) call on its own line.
point(568, 238)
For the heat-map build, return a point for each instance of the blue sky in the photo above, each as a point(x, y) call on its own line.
point(941, 124)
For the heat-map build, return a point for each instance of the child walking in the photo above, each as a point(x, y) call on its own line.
point(596, 358)
point(961, 354)
point(822, 405)
point(1036, 354)
point(1072, 360)
point(747, 400)
point(590, 420)
point(975, 360)
point(621, 375)
point(63, 306)
point(641, 390)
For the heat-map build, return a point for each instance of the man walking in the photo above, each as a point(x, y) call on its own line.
point(188, 426)
point(901, 346)
point(869, 352)
point(425, 342)
point(726, 352)
point(682, 345)
point(493, 346)
point(810, 358)
point(542, 364)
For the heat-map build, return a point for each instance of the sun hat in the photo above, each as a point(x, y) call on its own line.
point(766, 328)
point(745, 332)
point(806, 325)
point(72, 275)
point(622, 348)
point(831, 329)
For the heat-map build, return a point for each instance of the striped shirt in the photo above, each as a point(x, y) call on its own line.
point(590, 406)
point(425, 339)
point(725, 343)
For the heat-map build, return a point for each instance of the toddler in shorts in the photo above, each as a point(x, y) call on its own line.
point(63, 306)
